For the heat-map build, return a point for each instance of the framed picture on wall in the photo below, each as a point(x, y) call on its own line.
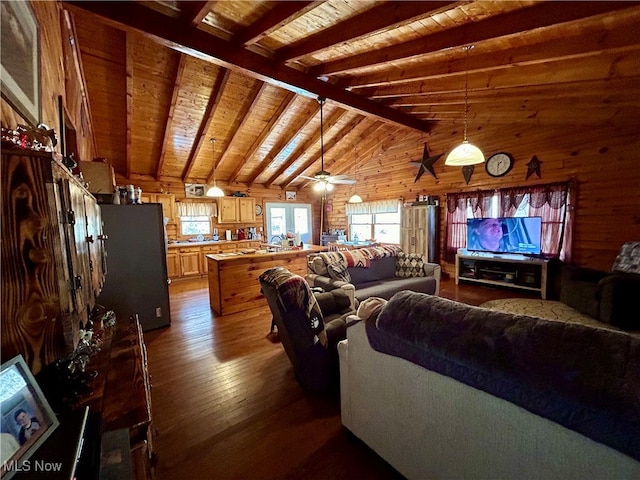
point(20, 59)
point(195, 190)
point(290, 195)
point(27, 419)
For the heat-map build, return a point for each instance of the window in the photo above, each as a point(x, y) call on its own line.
point(195, 225)
point(382, 227)
point(195, 217)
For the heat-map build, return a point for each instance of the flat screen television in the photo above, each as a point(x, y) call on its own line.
point(505, 235)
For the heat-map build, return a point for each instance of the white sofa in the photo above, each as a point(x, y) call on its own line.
point(430, 426)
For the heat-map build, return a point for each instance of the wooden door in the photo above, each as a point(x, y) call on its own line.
point(190, 262)
point(228, 210)
point(247, 209)
point(173, 264)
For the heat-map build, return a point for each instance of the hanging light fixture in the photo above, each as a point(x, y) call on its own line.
point(465, 153)
point(214, 191)
point(355, 198)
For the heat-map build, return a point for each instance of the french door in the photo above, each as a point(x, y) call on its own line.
point(285, 218)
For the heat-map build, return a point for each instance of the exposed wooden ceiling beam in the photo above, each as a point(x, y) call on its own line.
point(383, 16)
point(221, 52)
point(284, 106)
point(214, 100)
point(192, 12)
point(328, 146)
point(177, 85)
point(573, 44)
point(303, 147)
point(253, 95)
point(537, 16)
point(283, 13)
point(293, 130)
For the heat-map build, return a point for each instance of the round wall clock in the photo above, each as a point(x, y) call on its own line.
point(258, 210)
point(499, 164)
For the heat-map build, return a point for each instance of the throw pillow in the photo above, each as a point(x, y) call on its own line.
point(370, 308)
point(338, 271)
point(409, 265)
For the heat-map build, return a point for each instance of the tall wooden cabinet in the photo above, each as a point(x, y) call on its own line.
point(419, 231)
point(52, 253)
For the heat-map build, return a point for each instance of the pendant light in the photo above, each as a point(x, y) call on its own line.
point(214, 191)
point(322, 185)
point(355, 198)
point(465, 153)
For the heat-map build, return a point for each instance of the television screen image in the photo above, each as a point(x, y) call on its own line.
point(505, 235)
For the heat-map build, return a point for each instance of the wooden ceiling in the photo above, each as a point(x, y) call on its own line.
point(165, 77)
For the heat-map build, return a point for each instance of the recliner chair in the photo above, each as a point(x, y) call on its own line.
point(309, 326)
point(610, 297)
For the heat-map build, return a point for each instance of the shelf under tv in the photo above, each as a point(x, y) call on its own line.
point(506, 270)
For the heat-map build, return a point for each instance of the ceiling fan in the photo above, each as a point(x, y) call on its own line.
point(324, 180)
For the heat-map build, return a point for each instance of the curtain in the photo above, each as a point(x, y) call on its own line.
point(380, 206)
point(551, 202)
point(197, 209)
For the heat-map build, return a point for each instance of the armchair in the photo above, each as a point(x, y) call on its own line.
point(309, 325)
point(607, 296)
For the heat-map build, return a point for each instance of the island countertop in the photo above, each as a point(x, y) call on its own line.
point(233, 277)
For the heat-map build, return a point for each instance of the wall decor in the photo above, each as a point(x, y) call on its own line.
point(499, 164)
point(426, 164)
point(467, 171)
point(20, 59)
point(534, 167)
point(290, 195)
point(195, 190)
point(27, 419)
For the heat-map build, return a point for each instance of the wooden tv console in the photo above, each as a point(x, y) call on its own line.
point(507, 270)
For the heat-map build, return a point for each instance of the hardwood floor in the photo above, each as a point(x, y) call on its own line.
point(226, 404)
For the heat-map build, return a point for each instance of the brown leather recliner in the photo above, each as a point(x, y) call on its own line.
point(309, 326)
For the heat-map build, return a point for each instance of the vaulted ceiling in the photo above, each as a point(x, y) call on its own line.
point(165, 77)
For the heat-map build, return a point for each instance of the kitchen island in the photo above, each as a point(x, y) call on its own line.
point(233, 277)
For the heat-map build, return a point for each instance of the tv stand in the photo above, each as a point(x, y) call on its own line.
point(505, 270)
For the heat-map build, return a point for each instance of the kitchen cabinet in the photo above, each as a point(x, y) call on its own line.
point(168, 201)
point(190, 261)
point(236, 209)
point(52, 257)
point(100, 177)
point(173, 264)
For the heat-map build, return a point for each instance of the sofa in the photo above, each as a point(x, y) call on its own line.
point(606, 296)
point(378, 271)
point(440, 389)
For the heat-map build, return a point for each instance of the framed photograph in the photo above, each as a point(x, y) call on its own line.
point(290, 195)
point(27, 419)
point(21, 59)
point(195, 190)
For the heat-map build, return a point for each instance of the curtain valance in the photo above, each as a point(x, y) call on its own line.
point(197, 209)
point(379, 206)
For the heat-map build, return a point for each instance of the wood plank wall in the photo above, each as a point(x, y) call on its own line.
point(600, 155)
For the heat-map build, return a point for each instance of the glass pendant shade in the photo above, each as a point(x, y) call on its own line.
point(323, 187)
point(215, 191)
point(464, 154)
point(355, 198)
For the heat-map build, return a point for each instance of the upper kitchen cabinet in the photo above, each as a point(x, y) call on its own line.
point(52, 255)
point(168, 201)
point(236, 210)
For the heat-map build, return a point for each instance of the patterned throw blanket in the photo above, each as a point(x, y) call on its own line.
point(294, 293)
point(360, 257)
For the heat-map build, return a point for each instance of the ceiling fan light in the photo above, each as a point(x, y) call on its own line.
point(215, 191)
point(464, 154)
point(355, 198)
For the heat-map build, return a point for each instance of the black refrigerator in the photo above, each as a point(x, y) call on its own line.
point(136, 280)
